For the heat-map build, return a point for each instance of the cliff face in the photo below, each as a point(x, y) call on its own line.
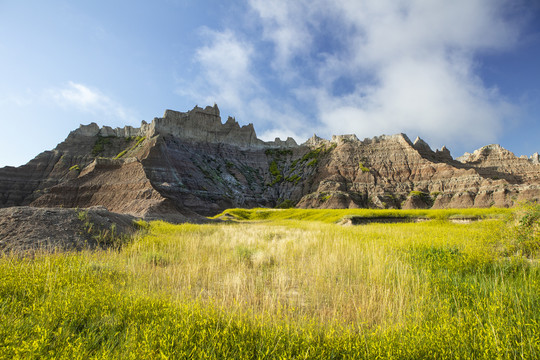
point(391, 171)
point(186, 164)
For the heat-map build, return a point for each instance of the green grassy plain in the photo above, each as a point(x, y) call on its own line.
point(335, 215)
point(285, 284)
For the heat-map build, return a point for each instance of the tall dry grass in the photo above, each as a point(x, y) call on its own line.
point(360, 276)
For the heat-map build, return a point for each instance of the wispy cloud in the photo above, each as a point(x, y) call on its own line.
point(409, 65)
point(83, 98)
point(16, 100)
point(364, 67)
point(290, 35)
point(226, 75)
point(225, 64)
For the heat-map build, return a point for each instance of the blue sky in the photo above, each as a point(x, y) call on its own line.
point(461, 73)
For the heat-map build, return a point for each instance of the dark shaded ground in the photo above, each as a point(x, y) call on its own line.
point(27, 229)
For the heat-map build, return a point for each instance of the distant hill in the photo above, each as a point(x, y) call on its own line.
point(185, 165)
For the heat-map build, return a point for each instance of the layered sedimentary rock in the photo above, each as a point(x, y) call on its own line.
point(196, 125)
point(117, 184)
point(496, 162)
point(391, 171)
point(185, 164)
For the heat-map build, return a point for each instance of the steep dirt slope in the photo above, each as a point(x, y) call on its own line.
point(22, 185)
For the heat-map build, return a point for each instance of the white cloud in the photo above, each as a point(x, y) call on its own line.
point(226, 76)
point(284, 120)
point(225, 71)
point(86, 99)
point(411, 64)
point(290, 34)
point(429, 97)
point(361, 66)
point(387, 29)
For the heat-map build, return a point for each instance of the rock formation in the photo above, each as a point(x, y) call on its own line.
point(185, 165)
point(391, 171)
point(26, 229)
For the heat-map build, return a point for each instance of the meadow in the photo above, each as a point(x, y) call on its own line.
point(282, 284)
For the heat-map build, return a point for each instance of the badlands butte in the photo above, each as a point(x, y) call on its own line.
point(187, 165)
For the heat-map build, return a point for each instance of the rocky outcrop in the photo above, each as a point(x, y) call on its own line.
point(27, 229)
point(185, 165)
point(391, 171)
point(496, 162)
point(535, 158)
point(204, 125)
point(119, 185)
point(196, 125)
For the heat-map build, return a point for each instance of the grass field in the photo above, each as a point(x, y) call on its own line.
point(286, 284)
point(334, 215)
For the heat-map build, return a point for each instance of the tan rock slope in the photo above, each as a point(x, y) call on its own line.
point(185, 165)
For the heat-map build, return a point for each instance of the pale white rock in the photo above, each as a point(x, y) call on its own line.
point(316, 141)
point(535, 158)
point(421, 145)
point(198, 125)
point(339, 139)
point(91, 129)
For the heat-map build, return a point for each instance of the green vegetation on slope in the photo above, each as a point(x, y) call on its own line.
point(335, 215)
point(363, 168)
point(138, 141)
point(100, 144)
point(276, 166)
point(284, 289)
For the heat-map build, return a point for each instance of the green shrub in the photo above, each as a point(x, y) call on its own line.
point(295, 178)
point(324, 197)
point(425, 197)
point(285, 204)
point(82, 215)
point(313, 154)
point(276, 173)
point(139, 140)
point(244, 254)
point(274, 170)
point(524, 233)
point(363, 168)
point(100, 144)
point(277, 180)
point(278, 152)
point(141, 225)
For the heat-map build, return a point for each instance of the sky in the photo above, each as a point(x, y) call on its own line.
point(461, 73)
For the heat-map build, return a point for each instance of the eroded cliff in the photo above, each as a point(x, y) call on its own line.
point(184, 165)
